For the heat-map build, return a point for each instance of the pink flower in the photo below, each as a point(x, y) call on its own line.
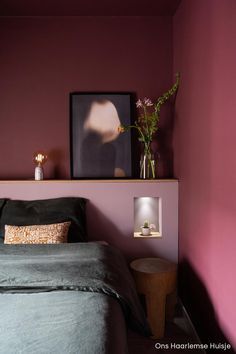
point(148, 102)
point(152, 226)
point(139, 103)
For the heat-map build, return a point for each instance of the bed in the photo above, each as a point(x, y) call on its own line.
point(64, 298)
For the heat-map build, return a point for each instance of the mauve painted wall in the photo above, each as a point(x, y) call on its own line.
point(110, 210)
point(205, 163)
point(42, 59)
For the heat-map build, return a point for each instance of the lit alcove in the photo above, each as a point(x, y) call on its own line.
point(147, 209)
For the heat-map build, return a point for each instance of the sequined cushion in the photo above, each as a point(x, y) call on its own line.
point(37, 234)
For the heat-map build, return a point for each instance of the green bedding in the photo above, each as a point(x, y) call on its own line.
point(68, 298)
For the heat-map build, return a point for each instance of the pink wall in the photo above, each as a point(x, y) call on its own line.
point(110, 210)
point(205, 145)
point(44, 58)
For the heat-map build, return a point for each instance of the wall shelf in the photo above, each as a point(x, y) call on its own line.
point(91, 181)
point(153, 235)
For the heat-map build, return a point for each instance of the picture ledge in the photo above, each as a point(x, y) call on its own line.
point(90, 180)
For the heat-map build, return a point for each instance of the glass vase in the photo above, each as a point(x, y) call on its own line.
point(147, 165)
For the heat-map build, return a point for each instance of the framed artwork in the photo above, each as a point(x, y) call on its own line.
point(98, 150)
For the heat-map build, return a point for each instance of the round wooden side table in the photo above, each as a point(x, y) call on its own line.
point(155, 278)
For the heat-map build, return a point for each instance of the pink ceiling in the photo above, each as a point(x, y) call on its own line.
point(88, 7)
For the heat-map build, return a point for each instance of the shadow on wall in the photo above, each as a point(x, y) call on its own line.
point(54, 168)
point(199, 306)
point(163, 142)
point(100, 228)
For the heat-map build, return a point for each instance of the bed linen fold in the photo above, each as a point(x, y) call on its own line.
point(26, 269)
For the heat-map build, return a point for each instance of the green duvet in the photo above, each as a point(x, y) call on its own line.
point(68, 298)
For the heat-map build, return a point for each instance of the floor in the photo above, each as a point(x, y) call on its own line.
point(177, 332)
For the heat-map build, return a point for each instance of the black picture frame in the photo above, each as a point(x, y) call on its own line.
point(97, 149)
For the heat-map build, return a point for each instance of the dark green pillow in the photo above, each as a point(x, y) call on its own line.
point(47, 211)
point(2, 202)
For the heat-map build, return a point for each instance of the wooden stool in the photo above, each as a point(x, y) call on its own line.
point(155, 278)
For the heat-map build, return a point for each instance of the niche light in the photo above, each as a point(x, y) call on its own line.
point(147, 210)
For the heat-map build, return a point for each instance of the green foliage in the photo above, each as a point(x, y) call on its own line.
point(146, 224)
point(147, 122)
